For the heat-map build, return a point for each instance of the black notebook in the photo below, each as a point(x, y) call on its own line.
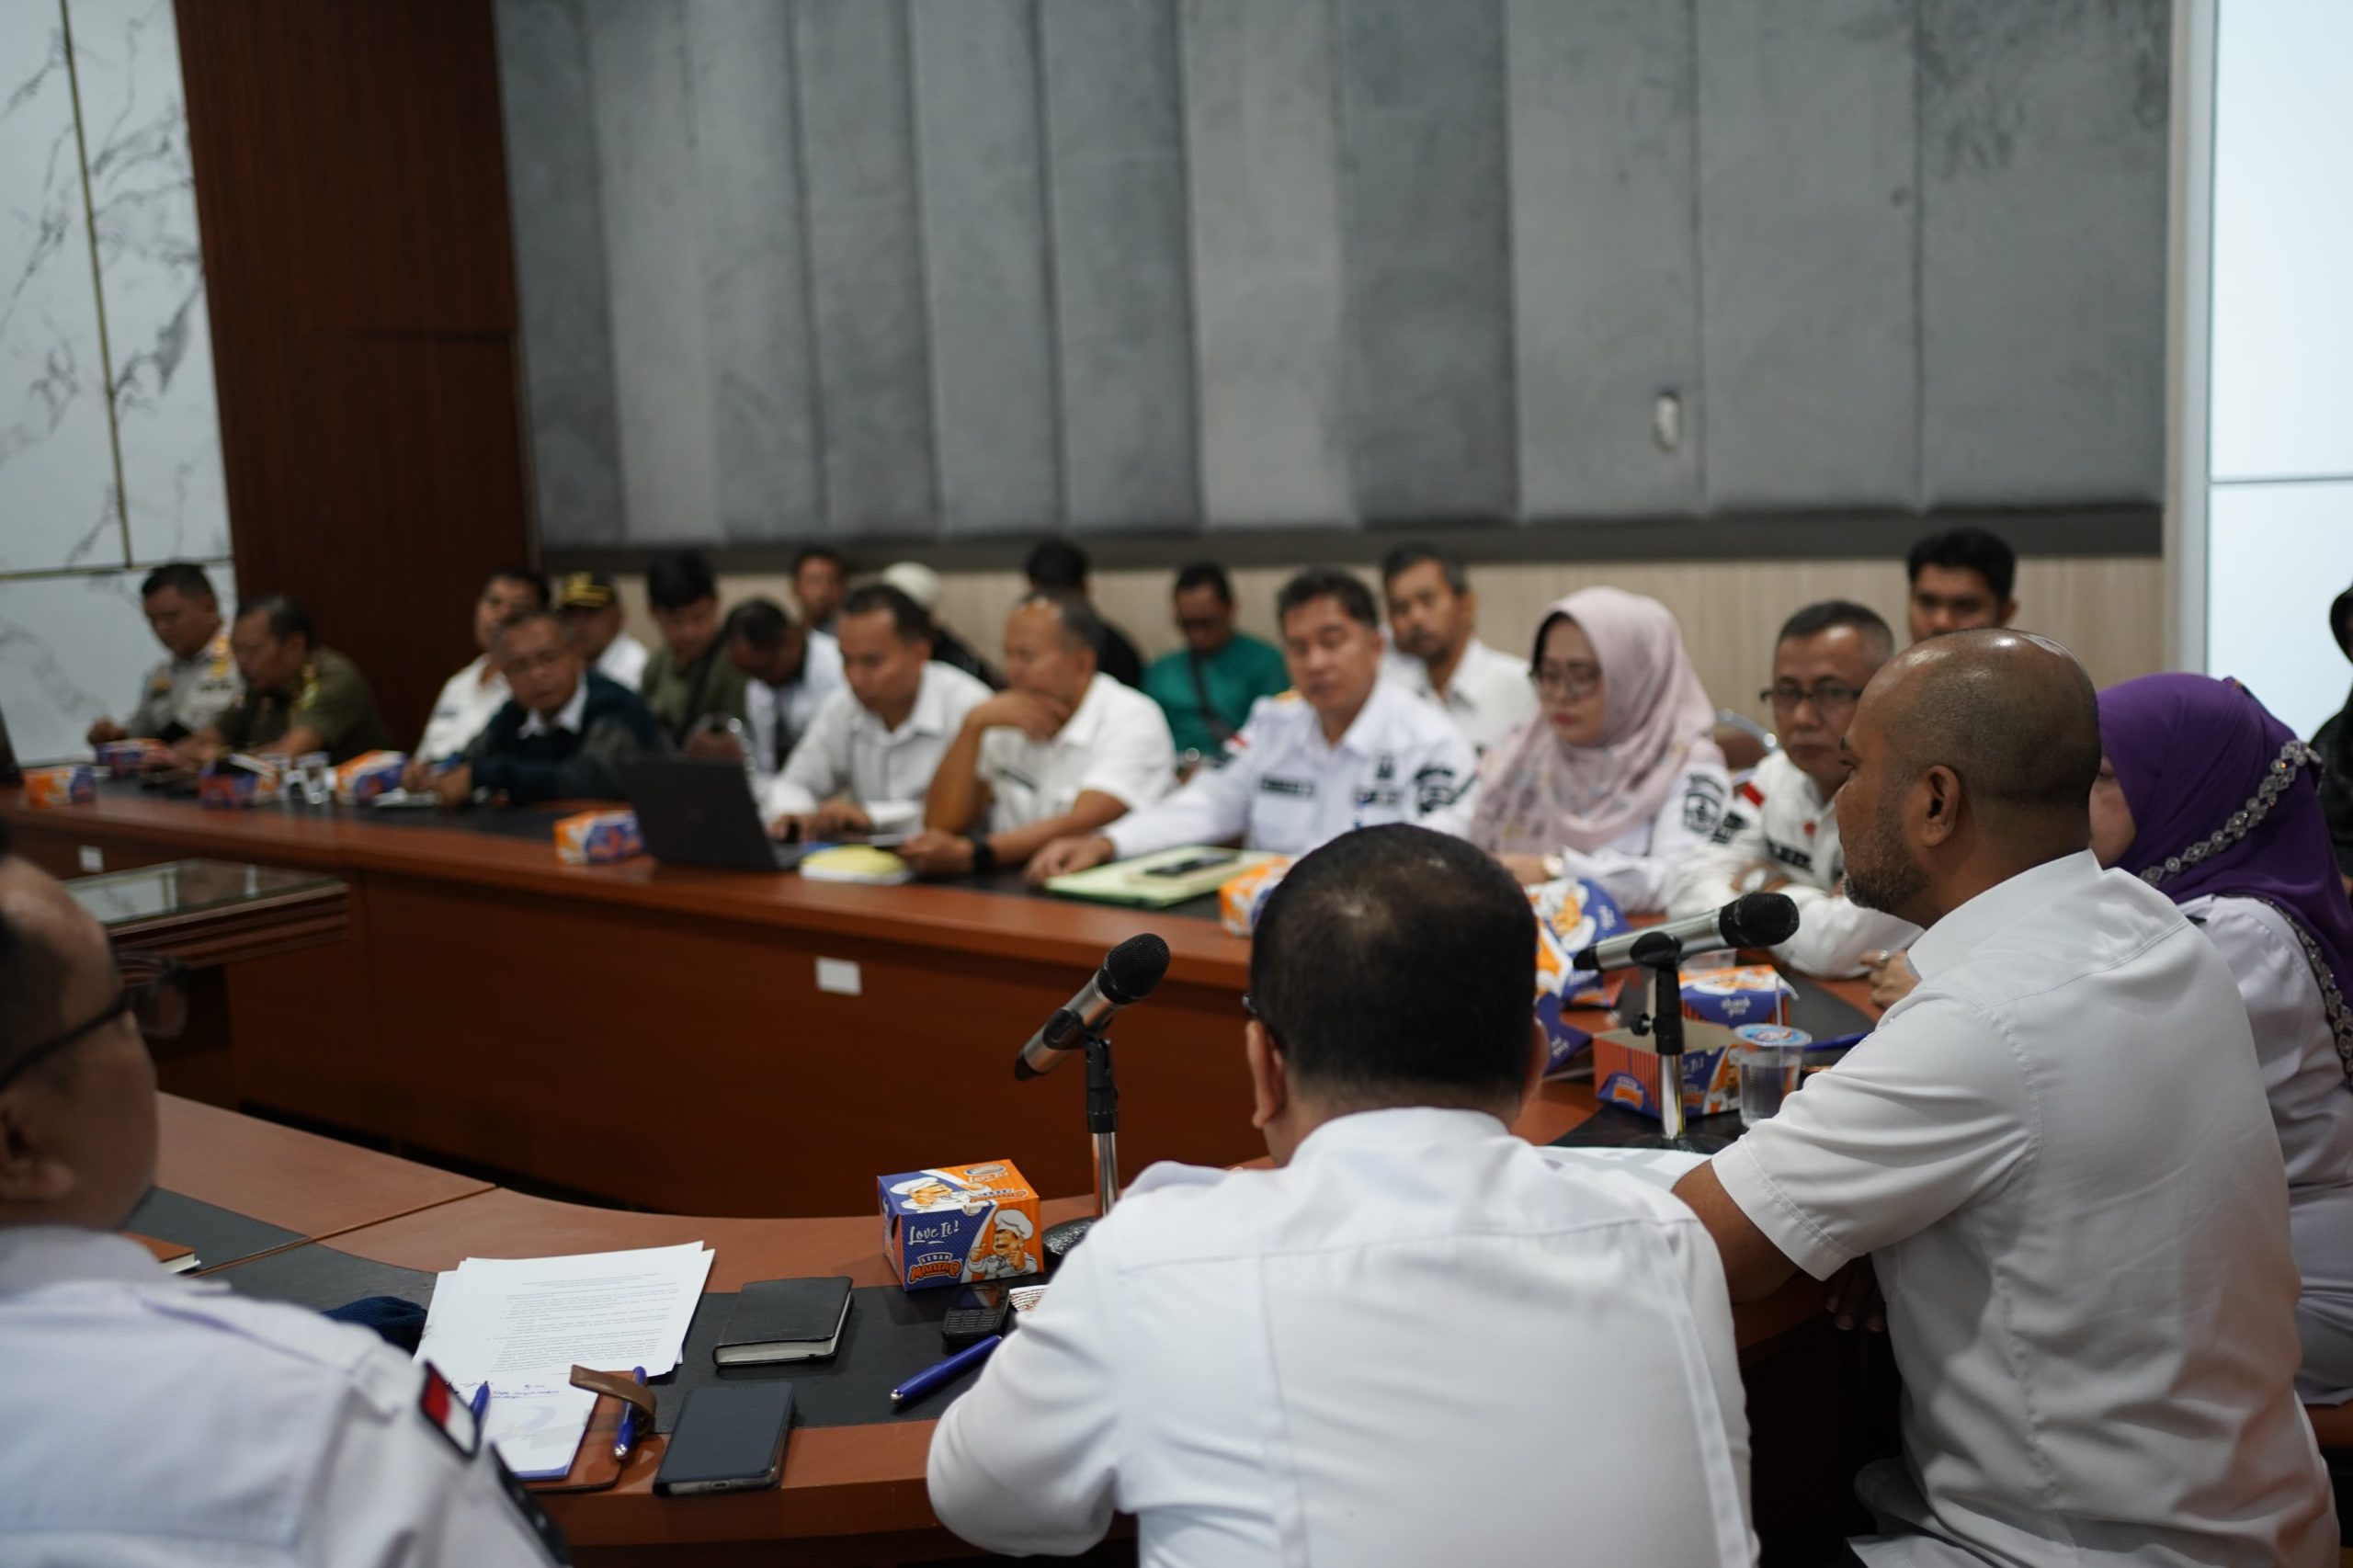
point(784, 1319)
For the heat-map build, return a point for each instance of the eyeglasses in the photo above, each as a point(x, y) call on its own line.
point(154, 993)
point(1829, 698)
point(1571, 681)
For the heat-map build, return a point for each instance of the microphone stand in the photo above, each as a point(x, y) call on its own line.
point(1103, 1129)
point(1663, 955)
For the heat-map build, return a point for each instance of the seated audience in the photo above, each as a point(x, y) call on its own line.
point(697, 694)
point(1346, 749)
point(1433, 622)
point(592, 608)
point(557, 738)
point(2209, 800)
point(1357, 1357)
point(1064, 750)
point(789, 671)
point(188, 690)
point(820, 577)
point(1780, 832)
point(299, 698)
point(150, 1417)
point(2335, 743)
point(475, 693)
point(1616, 778)
point(1058, 566)
point(1961, 580)
point(877, 741)
point(1207, 688)
point(921, 584)
point(2052, 1156)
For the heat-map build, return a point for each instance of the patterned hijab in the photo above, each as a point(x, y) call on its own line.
point(1538, 793)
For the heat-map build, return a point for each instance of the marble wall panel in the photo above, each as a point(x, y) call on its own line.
point(73, 649)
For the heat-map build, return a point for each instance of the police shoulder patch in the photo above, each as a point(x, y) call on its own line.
point(1704, 804)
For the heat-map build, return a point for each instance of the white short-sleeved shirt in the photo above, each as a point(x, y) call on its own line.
point(624, 659)
point(468, 702)
point(1779, 817)
point(795, 704)
point(1115, 743)
point(1281, 786)
point(1488, 698)
point(187, 693)
point(847, 750)
point(2066, 1180)
point(151, 1421)
point(1383, 1353)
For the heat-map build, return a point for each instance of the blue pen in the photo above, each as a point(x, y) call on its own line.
point(480, 1403)
point(930, 1378)
point(1839, 1041)
point(627, 1436)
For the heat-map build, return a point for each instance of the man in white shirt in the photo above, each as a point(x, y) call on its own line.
point(592, 608)
point(1363, 1355)
point(789, 671)
point(1064, 749)
point(1345, 749)
point(876, 743)
point(197, 682)
point(1780, 832)
point(2055, 1156)
point(148, 1418)
point(1434, 622)
point(475, 693)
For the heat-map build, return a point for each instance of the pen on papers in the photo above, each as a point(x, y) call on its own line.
point(627, 1436)
point(481, 1401)
point(946, 1372)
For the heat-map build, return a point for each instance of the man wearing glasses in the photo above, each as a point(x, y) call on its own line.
point(147, 1417)
point(1779, 835)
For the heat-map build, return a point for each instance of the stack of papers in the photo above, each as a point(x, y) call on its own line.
point(521, 1325)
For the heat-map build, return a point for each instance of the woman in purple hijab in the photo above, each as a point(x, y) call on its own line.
point(2207, 798)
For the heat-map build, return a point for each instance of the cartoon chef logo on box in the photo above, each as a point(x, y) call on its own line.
point(954, 1224)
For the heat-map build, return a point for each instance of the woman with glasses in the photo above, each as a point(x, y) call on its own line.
point(2212, 800)
point(1616, 780)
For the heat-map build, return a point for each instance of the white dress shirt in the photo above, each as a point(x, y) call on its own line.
point(1488, 698)
point(469, 700)
point(1779, 817)
point(151, 1420)
point(1281, 786)
point(1421, 1342)
point(2304, 1081)
point(797, 701)
point(2067, 1181)
point(1116, 744)
point(847, 750)
point(624, 659)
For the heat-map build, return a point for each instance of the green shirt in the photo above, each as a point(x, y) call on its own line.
point(680, 695)
point(330, 696)
point(1235, 676)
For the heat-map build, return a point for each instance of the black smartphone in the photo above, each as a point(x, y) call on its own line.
point(731, 1437)
point(977, 1312)
point(1192, 863)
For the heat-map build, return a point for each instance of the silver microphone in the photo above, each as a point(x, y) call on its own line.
point(1752, 920)
point(1129, 973)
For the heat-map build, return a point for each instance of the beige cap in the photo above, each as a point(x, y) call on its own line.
point(918, 581)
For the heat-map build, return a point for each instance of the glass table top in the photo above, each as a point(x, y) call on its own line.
point(185, 887)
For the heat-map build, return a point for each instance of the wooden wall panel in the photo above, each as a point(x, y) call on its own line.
point(351, 183)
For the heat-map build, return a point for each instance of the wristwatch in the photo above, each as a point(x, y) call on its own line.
point(984, 858)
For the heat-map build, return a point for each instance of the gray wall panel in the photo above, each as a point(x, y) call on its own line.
point(1807, 244)
point(1262, 151)
point(2044, 250)
point(661, 349)
point(754, 282)
point(1424, 188)
point(1114, 140)
point(982, 161)
point(551, 169)
point(1605, 251)
point(873, 366)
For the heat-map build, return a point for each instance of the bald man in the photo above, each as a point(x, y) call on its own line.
point(2054, 1154)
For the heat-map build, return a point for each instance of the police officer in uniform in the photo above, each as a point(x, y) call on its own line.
point(1344, 749)
point(150, 1419)
point(189, 689)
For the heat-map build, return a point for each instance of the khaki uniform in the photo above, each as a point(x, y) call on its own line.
point(181, 696)
point(330, 696)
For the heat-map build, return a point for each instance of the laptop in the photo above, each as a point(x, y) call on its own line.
point(696, 811)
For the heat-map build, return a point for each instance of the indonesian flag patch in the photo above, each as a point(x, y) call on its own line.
point(447, 1414)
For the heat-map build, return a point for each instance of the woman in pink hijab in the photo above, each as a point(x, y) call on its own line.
point(1616, 779)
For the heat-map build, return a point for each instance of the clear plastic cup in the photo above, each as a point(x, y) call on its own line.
point(1768, 1073)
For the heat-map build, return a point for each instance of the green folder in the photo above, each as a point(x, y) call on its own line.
point(1131, 883)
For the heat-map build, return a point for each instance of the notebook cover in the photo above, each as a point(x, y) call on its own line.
point(800, 1318)
point(1124, 881)
point(175, 1258)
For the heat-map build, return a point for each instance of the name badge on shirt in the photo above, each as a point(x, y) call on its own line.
point(1300, 789)
point(1789, 854)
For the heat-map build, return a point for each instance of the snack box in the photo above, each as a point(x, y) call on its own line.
point(1750, 994)
point(77, 784)
point(1625, 1071)
point(237, 782)
point(1571, 915)
point(955, 1224)
point(369, 775)
point(1242, 897)
point(124, 759)
point(598, 838)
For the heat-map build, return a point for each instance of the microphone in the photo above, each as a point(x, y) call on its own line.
point(1752, 920)
point(1129, 973)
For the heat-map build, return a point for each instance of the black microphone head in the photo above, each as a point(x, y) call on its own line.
point(1133, 969)
point(1759, 920)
